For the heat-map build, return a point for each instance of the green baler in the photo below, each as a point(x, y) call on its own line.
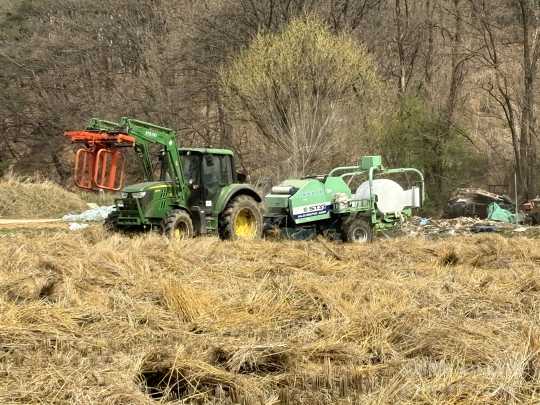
point(303, 208)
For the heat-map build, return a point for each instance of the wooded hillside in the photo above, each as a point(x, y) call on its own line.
point(447, 86)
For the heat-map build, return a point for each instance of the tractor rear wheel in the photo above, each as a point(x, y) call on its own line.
point(241, 219)
point(177, 225)
point(356, 230)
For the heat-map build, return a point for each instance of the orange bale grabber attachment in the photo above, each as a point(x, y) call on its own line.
point(109, 173)
point(84, 169)
point(100, 164)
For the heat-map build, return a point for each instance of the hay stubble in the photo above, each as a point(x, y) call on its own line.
point(92, 317)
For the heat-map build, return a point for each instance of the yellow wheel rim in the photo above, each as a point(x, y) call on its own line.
point(179, 232)
point(245, 225)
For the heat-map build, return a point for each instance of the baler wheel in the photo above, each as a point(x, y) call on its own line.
point(178, 225)
point(356, 230)
point(241, 219)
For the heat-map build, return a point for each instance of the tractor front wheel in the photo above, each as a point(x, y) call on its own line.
point(110, 222)
point(356, 230)
point(241, 219)
point(177, 225)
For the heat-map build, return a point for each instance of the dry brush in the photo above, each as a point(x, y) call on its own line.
point(98, 318)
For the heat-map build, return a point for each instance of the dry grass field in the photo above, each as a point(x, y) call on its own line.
point(90, 317)
point(36, 198)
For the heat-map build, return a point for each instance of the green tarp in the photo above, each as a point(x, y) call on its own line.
point(496, 213)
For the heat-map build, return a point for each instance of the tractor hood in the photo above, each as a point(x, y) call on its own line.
point(144, 203)
point(146, 186)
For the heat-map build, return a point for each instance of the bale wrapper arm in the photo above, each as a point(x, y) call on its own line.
point(369, 168)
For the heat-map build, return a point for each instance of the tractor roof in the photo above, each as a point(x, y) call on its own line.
point(208, 151)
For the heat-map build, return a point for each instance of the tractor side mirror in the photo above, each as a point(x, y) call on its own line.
point(241, 177)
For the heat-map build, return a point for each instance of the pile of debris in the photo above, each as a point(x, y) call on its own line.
point(475, 202)
point(532, 209)
point(478, 203)
point(473, 210)
point(429, 227)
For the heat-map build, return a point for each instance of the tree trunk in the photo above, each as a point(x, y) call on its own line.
point(527, 142)
point(225, 138)
point(444, 130)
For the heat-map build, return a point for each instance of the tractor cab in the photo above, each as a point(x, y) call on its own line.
point(207, 172)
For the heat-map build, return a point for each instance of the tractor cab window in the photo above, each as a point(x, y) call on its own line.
point(226, 170)
point(165, 168)
point(211, 176)
point(192, 166)
point(206, 174)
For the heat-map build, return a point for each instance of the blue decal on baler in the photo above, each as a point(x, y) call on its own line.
point(311, 210)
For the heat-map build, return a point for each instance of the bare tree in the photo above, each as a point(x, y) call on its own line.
point(516, 100)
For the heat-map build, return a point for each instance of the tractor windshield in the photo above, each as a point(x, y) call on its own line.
point(159, 167)
point(164, 167)
point(192, 167)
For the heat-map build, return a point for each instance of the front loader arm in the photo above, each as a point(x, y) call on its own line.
point(101, 164)
point(146, 134)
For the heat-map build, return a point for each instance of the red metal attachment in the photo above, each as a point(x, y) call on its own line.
point(109, 173)
point(104, 138)
point(101, 163)
point(84, 168)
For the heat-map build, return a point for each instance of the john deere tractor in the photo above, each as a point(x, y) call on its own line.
point(194, 191)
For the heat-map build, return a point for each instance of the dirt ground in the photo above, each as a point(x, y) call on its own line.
point(31, 223)
point(91, 317)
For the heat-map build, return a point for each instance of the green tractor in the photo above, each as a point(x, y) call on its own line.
point(192, 191)
point(304, 208)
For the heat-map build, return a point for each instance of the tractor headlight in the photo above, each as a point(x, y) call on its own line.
point(125, 195)
point(140, 194)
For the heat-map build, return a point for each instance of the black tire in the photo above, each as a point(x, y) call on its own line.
point(178, 225)
point(356, 230)
point(241, 219)
point(110, 222)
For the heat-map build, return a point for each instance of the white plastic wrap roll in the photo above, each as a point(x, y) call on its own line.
point(390, 195)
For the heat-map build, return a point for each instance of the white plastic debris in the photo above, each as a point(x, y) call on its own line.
point(74, 226)
point(94, 214)
point(423, 221)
